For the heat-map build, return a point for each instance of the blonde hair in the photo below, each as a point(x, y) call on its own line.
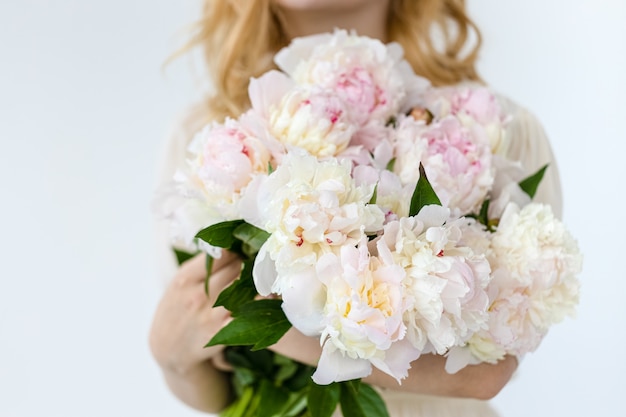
point(239, 38)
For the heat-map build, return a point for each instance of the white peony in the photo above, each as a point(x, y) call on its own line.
point(310, 207)
point(535, 248)
point(363, 316)
point(313, 119)
point(444, 287)
point(391, 196)
point(506, 189)
point(535, 263)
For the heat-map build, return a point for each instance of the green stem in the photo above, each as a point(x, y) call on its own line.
point(239, 407)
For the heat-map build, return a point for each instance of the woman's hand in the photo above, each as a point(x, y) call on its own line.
point(184, 321)
point(426, 376)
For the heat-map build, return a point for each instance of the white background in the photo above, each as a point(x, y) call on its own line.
point(84, 108)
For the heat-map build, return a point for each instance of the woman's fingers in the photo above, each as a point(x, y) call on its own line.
point(226, 258)
point(222, 278)
point(194, 290)
point(194, 270)
point(220, 362)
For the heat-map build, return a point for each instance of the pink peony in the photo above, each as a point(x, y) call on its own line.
point(371, 77)
point(476, 107)
point(224, 158)
point(457, 160)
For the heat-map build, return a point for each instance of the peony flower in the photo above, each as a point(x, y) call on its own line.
point(475, 107)
point(509, 330)
point(377, 154)
point(535, 262)
point(391, 196)
point(375, 138)
point(535, 249)
point(444, 287)
point(363, 316)
point(457, 161)
point(309, 117)
point(506, 189)
point(310, 207)
point(313, 119)
point(474, 235)
point(224, 159)
point(371, 77)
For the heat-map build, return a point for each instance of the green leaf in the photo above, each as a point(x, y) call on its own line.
point(237, 356)
point(374, 195)
point(251, 237)
point(352, 385)
point(349, 401)
point(240, 292)
point(220, 234)
point(243, 377)
point(286, 368)
point(371, 401)
point(258, 323)
point(259, 361)
point(208, 263)
point(483, 216)
point(423, 195)
point(183, 256)
point(273, 399)
point(361, 401)
point(295, 405)
point(301, 379)
point(323, 399)
point(391, 164)
point(530, 184)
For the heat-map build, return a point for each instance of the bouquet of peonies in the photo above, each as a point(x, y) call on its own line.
point(376, 214)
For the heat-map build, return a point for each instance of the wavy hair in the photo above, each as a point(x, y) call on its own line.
point(239, 38)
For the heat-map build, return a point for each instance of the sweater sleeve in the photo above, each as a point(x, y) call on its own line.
point(528, 143)
point(173, 154)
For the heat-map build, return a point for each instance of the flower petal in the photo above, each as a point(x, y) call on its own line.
point(398, 359)
point(303, 303)
point(458, 357)
point(333, 366)
point(264, 272)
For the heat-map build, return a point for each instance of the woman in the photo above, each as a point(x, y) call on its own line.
point(239, 39)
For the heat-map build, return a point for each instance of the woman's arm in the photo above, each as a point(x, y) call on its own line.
point(426, 376)
point(202, 387)
point(185, 320)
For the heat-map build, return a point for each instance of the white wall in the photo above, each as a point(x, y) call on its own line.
point(83, 109)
